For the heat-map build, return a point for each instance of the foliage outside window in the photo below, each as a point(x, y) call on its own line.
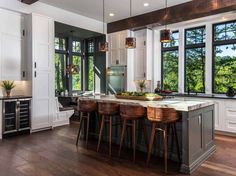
point(195, 59)
point(60, 64)
point(76, 46)
point(170, 57)
point(224, 56)
point(60, 44)
point(76, 78)
point(90, 50)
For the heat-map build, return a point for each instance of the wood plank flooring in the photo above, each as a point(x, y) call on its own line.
point(53, 153)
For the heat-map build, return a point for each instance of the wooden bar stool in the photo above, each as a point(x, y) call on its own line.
point(131, 113)
point(166, 117)
point(86, 107)
point(107, 111)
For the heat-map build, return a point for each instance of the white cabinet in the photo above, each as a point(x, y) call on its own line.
point(143, 56)
point(41, 56)
point(230, 116)
point(117, 52)
point(12, 59)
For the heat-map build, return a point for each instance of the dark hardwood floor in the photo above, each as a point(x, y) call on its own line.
point(54, 153)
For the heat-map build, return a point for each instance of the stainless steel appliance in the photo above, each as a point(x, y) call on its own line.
point(16, 115)
point(116, 79)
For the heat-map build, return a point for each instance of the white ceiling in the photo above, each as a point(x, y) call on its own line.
point(93, 8)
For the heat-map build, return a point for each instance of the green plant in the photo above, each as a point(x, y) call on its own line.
point(142, 84)
point(8, 85)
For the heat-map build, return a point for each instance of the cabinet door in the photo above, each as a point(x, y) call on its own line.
point(43, 72)
point(140, 64)
point(12, 47)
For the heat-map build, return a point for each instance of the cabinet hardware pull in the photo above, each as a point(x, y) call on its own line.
point(35, 65)
point(35, 74)
point(144, 74)
point(199, 120)
point(23, 74)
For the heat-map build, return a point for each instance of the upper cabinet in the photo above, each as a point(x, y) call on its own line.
point(12, 61)
point(117, 52)
point(143, 55)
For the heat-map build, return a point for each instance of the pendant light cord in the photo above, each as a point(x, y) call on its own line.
point(103, 7)
point(130, 10)
point(166, 15)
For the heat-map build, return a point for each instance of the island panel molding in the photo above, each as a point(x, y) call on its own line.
point(29, 1)
point(175, 14)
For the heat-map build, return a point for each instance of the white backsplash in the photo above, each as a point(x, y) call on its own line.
point(22, 88)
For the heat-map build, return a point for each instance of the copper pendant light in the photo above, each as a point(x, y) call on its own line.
point(103, 46)
point(130, 42)
point(72, 69)
point(165, 33)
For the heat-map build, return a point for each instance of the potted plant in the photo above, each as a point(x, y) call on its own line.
point(8, 86)
point(142, 85)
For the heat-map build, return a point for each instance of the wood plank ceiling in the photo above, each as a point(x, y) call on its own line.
point(182, 12)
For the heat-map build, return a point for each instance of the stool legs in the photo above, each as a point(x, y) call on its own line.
point(122, 135)
point(100, 132)
point(134, 139)
point(80, 127)
point(165, 146)
point(153, 131)
point(87, 130)
point(110, 134)
point(165, 141)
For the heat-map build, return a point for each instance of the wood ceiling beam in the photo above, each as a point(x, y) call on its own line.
point(29, 2)
point(182, 12)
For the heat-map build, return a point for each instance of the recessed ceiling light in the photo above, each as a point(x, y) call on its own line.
point(146, 4)
point(111, 14)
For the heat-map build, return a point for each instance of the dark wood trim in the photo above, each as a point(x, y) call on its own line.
point(29, 2)
point(182, 12)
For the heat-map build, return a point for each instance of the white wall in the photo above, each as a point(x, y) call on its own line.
point(57, 14)
point(207, 22)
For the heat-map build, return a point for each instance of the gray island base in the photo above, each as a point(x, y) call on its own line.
point(195, 129)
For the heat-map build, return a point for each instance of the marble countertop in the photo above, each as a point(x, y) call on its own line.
point(15, 97)
point(180, 104)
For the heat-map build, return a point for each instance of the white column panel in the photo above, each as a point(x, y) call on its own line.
point(181, 60)
point(208, 61)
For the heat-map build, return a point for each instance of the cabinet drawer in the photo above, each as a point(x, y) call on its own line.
point(230, 113)
point(230, 126)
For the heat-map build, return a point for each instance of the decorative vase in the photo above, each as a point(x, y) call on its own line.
point(8, 93)
point(158, 88)
point(230, 92)
point(141, 90)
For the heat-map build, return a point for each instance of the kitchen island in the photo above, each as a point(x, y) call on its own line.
point(195, 130)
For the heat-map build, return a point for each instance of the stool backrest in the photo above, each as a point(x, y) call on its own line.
point(87, 105)
point(162, 114)
point(106, 108)
point(132, 111)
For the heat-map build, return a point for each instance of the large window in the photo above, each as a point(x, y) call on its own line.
point(195, 59)
point(170, 57)
point(224, 56)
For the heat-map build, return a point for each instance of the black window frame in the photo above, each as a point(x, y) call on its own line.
point(193, 46)
point(218, 43)
point(163, 50)
point(87, 55)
